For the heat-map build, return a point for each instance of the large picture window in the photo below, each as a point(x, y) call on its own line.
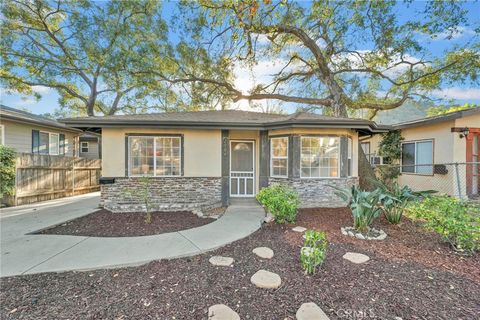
point(154, 156)
point(319, 157)
point(279, 157)
point(417, 157)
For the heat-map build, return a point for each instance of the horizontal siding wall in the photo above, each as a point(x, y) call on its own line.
point(19, 136)
point(92, 150)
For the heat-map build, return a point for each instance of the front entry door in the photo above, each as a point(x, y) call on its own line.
point(242, 168)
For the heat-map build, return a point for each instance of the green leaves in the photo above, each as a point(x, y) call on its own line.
point(7, 170)
point(314, 251)
point(281, 201)
point(457, 222)
point(364, 205)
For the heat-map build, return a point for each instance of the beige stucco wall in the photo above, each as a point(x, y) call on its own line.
point(202, 150)
point(19, 136)
point(336, 132)
point(448, 148)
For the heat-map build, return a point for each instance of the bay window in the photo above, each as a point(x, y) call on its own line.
point(279, 157)
point(319, 157)
point(154, 156)
point(417, 157)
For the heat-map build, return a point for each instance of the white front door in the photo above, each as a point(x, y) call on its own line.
point(242, 168)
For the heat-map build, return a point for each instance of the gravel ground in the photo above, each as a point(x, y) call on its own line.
point(417, 280)
point(104, 223)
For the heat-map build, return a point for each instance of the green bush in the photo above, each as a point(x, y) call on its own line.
point(314, 251)
point(7, 171)
point(281, 201)
point(364, 206)
point(456, 221)
point(394, 199)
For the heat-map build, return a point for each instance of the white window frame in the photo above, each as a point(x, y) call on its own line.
point(180, 172)
point(82, 146)
point(2, 134)
point(50, 135)
point(349, 156)
point(278, 158)
point(338, 157)
point(415, 165)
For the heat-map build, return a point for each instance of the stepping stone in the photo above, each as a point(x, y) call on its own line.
point(299, 229)
point(222, 312)
point(310, 311)
point(221, 261)
point(356, 257)
point(263, 252)
point(266, 279)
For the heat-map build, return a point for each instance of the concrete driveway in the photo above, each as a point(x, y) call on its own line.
point(24, 253)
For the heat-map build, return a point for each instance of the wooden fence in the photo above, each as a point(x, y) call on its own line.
point(45, 177)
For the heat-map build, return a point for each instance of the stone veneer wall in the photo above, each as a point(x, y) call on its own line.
point(168, 194)
point(316, 192)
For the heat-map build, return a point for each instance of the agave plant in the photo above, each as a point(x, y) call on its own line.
point(394, 199)
point(364, 206)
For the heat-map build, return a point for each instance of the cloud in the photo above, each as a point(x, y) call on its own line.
point(40, 89)
point(25, 102)
point(457, 93)
point(451, 34)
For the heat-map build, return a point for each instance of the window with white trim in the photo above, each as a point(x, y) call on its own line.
point(54, 144)
point(279, 157)
point(154, 156)
point(84, 146)
point(417, 157)
point(320, 157)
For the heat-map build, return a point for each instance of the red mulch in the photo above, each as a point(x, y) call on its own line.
point(104, 223)
point(407, 241)
point(394, 283)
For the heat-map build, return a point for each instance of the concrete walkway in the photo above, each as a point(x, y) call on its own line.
point(22, 253)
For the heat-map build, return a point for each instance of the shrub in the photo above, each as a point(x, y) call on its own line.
point(144, 193)
point(364, 206)
point(395, 198)
point(314, 251)
point(281, 201)
point(7, 171)
point(457, 222)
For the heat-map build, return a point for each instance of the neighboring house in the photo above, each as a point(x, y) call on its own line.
point(30, 133)
point(89, 146)
point(202, 159)
point(431, 149)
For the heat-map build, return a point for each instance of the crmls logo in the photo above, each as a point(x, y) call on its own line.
point(355, 314)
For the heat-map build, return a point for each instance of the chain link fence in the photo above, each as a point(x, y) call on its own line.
point(461, 180)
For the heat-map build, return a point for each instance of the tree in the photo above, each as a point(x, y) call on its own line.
point(336, 55)
point(86, 50)
point(436, 111)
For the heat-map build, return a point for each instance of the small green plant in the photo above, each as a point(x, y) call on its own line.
point(395, 198)
point(7, 171)
point(144, 193)
point(314, 251)
point(457, 222)
point(390, 147)
point(364, 206)
point(281, 201)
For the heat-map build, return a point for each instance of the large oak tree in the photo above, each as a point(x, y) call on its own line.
point(86, 50)
point(337, 55)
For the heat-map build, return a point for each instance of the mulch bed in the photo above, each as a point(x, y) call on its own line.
point(104, 223)
point(392, 284)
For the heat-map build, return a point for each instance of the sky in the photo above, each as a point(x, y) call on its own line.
point(459, 94)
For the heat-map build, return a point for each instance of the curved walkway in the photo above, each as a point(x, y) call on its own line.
point(23, 253)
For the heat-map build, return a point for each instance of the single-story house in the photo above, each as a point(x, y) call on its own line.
point(89, 146)
point(31, 133)
point(439, 152)
point(202, 159)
